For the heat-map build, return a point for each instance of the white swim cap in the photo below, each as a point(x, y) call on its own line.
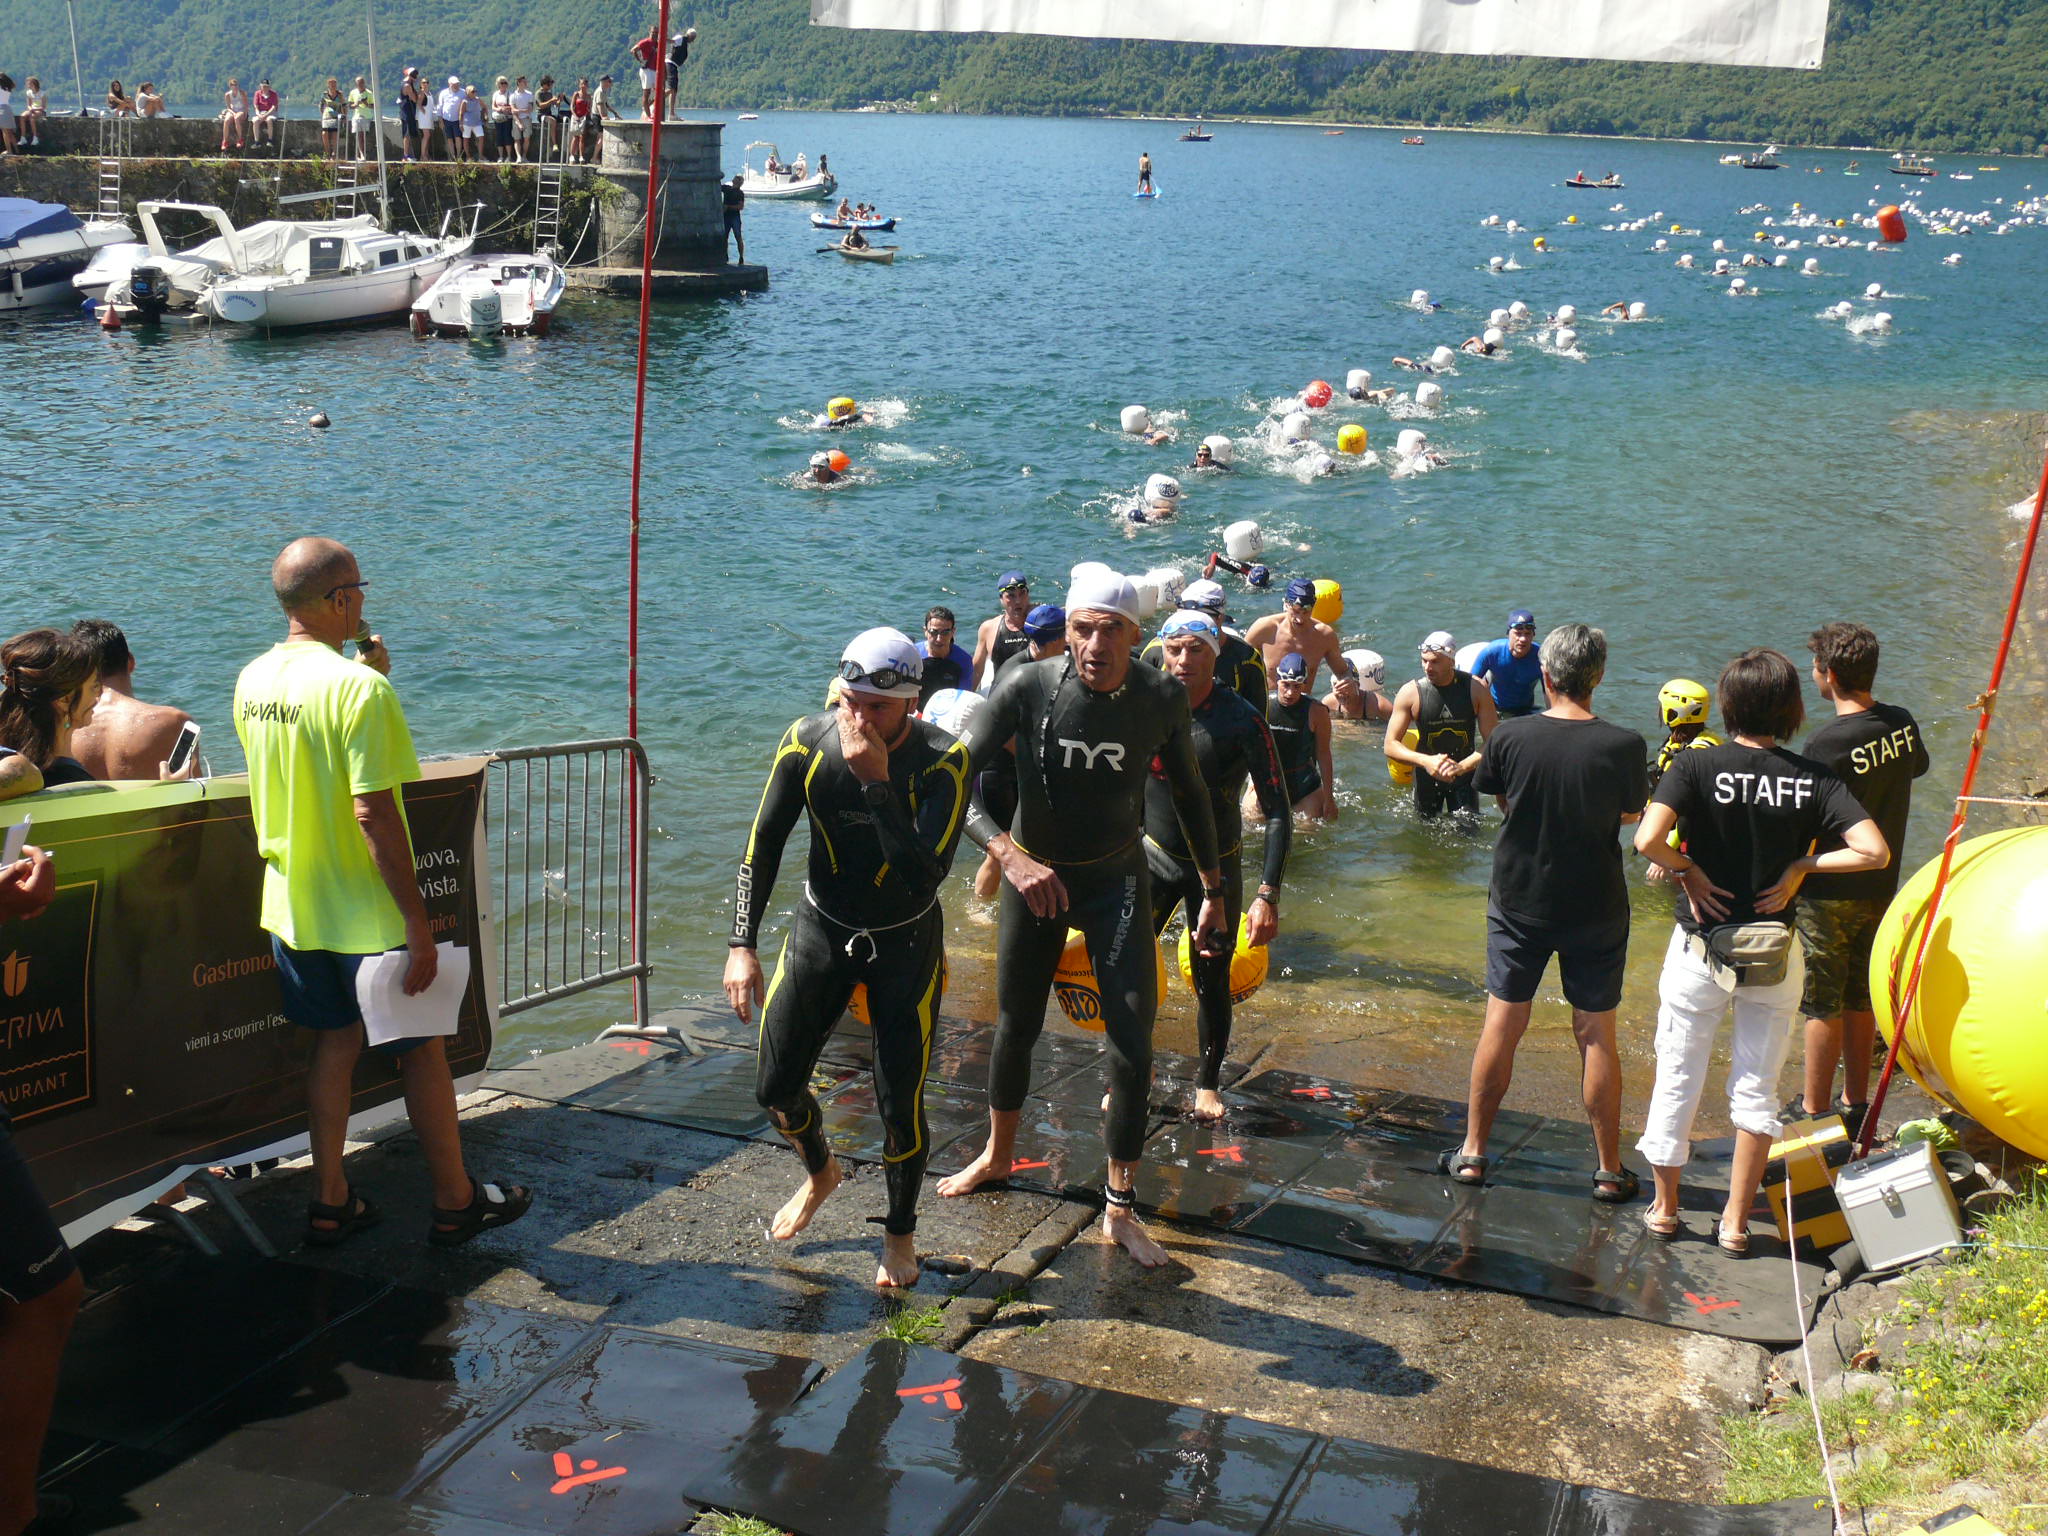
point(1371, 666)
point(881, 651)
point(1136, 418)
point(951, 708)
point(1438, 640)
point(1162, 488)
point(1097, 587)
point(1295, 427)
point(1206, 595)
point(1219, 448)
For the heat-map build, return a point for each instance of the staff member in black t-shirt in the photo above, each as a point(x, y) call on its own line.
point(1570, 780)
point(1753, 813)
point(1876, 750)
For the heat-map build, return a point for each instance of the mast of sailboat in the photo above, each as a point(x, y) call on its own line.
point(77, 74)
point(377, 118)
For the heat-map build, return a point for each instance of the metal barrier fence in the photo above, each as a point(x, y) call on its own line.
point(567, 829)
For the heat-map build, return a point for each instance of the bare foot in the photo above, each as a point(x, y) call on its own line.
point(803, 1205)
point(898, 1269)
point(1208, 1106)
point(1124, 1227)
point(985, 1169)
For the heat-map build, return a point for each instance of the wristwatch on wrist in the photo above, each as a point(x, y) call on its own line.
point(876, 793)
point(1214, 893)
point(1269, 896)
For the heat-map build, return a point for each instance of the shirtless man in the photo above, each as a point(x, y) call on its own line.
point(1295, 630)
point(1088, 727)
point(1002, 639)
point(127, 739)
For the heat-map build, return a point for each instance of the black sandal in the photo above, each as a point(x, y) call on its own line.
point(353, 1215)
point(489, 1206)
point(1616, 1188)
point(1455, 1164)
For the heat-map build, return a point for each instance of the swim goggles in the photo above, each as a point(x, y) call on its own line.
point(881, 677)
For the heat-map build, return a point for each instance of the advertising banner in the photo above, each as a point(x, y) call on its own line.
point(141, 1029)
point(1787, 34)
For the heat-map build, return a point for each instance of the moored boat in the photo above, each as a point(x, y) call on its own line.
point(490, 296)
point(336, 277)
point(44, 245)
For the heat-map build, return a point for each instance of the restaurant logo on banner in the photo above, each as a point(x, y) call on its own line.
point(46, 1056)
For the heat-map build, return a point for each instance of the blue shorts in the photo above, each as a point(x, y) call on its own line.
point(320, 991)
point(33, 1257)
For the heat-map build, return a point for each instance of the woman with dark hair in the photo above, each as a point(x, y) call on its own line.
point(1752, 812)
point(119, 102)
point(47, 690)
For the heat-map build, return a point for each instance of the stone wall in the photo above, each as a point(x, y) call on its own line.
point(689, 227)
point(420, 194)
point(192, 137)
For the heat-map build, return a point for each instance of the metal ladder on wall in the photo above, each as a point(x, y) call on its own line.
point(115, 138)
point(548, 178)
point(346, 190)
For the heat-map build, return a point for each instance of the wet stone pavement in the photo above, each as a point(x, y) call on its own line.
point(638, 1348)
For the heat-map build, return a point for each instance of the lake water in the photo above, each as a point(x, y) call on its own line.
point(1729, 472)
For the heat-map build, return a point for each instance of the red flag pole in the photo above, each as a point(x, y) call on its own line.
point(647, 241)
point(1902, 1004)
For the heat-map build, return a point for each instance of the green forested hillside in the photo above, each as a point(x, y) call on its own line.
point(1931, 74)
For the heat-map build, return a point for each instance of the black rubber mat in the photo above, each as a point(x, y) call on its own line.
point(913, 1442)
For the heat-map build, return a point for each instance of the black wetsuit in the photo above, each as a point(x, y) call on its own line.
point(1008, 645)
point(1294, 739)
point(1447, 722)
point(1239, 667)
point(870, 914)
point(1083, 762)
point(1232, 744)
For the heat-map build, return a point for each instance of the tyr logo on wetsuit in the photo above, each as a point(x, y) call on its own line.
point(1112, 752)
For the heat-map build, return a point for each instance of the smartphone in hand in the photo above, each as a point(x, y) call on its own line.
point(182, 750)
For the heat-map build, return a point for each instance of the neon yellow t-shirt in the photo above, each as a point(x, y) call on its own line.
point(319, 730)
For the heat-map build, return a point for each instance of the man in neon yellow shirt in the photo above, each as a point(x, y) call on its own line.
point(328, 748)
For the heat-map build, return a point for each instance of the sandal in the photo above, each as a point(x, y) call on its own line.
point(1616, 1188)
point(1462, 1167)
point(489, 1206)
point(1663, 1228)
point(1736, 1243)
point(353, 1215)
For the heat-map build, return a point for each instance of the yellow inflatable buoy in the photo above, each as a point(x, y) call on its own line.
point(1329, 604)
point(1978, 1035)
point(1404, 773)
point(1351, 438)
point(1074, 984)
point(1571, 218)
point(841, 407)
point(1247, 965)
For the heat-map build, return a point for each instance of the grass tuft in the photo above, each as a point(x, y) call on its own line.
point(1963, 1397)
point(910, 1323)
point(713, 1523)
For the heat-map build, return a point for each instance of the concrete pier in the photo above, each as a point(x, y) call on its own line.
point(687, 229)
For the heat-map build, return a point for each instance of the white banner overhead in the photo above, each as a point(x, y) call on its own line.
point(1785, 34)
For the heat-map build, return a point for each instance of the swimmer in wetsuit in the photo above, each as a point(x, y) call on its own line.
point(1451, 711)
point(1240, 668)
point(1301, 737)
point(1002, 639)
point(887, 796)
point(1087, 727)
point(1233, 746)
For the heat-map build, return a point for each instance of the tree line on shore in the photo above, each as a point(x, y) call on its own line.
point(1957, 75)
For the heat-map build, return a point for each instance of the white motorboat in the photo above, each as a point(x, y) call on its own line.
point(774, 179)
point(334, 276)
point(145, 278)
point(487, 295)
point(42, 245)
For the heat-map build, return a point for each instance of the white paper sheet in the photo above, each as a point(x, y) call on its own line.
point(1787, 34)
point(388, 1014)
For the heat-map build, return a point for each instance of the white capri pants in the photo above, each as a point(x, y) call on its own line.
point(1690, 1007)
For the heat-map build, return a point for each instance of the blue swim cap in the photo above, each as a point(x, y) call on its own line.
point(1302, 591)
point(1293, 664)
point(1048, 621)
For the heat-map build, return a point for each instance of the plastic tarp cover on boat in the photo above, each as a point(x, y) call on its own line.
point(1786, 34)
point(21, 218)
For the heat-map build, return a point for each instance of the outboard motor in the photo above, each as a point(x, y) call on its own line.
point(483, 310)
point(148, 291)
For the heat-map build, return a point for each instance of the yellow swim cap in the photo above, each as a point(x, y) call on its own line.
point(841, 408)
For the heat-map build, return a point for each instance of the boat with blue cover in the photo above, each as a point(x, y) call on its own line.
point(826, 221)
point(43, 244)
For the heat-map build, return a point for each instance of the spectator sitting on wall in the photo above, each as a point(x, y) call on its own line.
point(149, 101)
point(119, 102)
point(35, 106)
point(328, 750)
point(266, 102)
point(234, 115)
point(127, 738)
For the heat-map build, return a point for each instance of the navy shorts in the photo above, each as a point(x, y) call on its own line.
point(320, 991)
point(33, 1255)
point(1590, 959)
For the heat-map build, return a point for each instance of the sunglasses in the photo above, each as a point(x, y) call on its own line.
point(881, 677)
point(347, 586)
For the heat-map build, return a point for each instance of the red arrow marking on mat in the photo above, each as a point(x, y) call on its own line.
point(567, 1477)
point(1224, 1154)
point(1020, 1167)
point(637, 1047)
point(949, 1390)
point(1317, 1092)
point(1705, 1304)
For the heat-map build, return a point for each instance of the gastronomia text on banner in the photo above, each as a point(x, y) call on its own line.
point(1784, 34)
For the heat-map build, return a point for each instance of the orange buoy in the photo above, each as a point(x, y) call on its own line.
point(1891, 223)
point(1317, 395)
point(839, 463)
point(110, 318)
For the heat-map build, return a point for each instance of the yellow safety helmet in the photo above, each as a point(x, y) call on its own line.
point(1683, 702)
point(841, 408)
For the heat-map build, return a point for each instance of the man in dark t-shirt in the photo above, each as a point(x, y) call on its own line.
point(1570, 780)
point(1877, 751)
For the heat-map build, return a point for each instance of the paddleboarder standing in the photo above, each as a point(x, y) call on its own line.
point(1144, 174)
